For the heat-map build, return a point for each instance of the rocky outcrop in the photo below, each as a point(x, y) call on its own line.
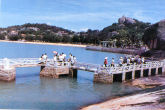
point(158, 54)
point(154, 36)
point(126, 20)
point(142, 101)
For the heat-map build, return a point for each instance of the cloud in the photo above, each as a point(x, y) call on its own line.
point(80, 17)
point(141, 16)
point(84, 29)
point(48, 23)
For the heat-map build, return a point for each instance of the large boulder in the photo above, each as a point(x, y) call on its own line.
point(154, 36)
point(126, 20)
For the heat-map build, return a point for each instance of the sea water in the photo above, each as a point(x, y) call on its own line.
point(30, 91)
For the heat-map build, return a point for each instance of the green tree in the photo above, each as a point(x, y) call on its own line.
point(2, 37)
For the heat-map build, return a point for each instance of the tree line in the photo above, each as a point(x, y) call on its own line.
point(124, 34)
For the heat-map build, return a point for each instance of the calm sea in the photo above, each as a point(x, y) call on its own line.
point(30, 91)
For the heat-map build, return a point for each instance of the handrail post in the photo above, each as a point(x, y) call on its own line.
point(141, 72)
point(123, 75)
point(133, 72)
point(157, 69)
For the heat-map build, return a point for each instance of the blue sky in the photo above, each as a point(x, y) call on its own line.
point(79, 14)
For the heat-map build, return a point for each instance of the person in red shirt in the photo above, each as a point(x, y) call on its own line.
point(105, 61)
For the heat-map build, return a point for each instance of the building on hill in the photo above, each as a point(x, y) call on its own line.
point(3, 32)
point(13, 33)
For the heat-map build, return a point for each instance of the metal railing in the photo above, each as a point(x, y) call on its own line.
point(79, 65)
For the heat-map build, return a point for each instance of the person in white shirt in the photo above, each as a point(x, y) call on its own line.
point(113, 62)
point(121, 61)
point(61, 58)
point(128, 61)
point(143, 60)
point(45, 57)
point(55, 60)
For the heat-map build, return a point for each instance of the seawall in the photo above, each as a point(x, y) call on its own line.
point(116, 50)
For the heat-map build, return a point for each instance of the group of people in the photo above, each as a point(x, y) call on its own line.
point(59, 58)
point(126, 60)
point(62, 58)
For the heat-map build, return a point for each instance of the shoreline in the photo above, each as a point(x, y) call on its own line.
point(47, 43)
point(137, 51)
point(152, 100)
point(141, 99)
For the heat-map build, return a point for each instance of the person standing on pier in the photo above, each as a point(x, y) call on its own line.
point(128, 61)
point(45, 57)
point(55, 60)
point(113, 62)
point(121, 61)
point(70, 57)
point(105, 61)
point(139, 60)
point(143, 60)
point(41, 58)
point(125, 60)
point(74, 58)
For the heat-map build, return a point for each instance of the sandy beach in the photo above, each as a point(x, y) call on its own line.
point(47, 43)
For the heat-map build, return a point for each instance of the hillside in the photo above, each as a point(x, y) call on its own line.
point(30, 32)
point(127, 32)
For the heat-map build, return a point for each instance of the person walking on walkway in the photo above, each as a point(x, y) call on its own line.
point(55, 60)
point(143, 60)
point(41, 58)
point(113, 62)
point(45, 57)
point(106, 61)
point(139, 60)
point(125, 60)
point(121, 61)
point(128, 61)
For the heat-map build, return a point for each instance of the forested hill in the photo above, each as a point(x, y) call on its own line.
point(127, 30)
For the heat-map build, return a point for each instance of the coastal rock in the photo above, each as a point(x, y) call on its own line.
point(126, 20)
point(154, 36)
point(142, 101)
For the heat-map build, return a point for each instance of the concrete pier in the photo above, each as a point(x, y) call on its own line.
point(128, 74)
point(123, 76)
point(56, 72)
point(53, 72)
point(73, 73)
point(7, 75)
point(103, 78)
